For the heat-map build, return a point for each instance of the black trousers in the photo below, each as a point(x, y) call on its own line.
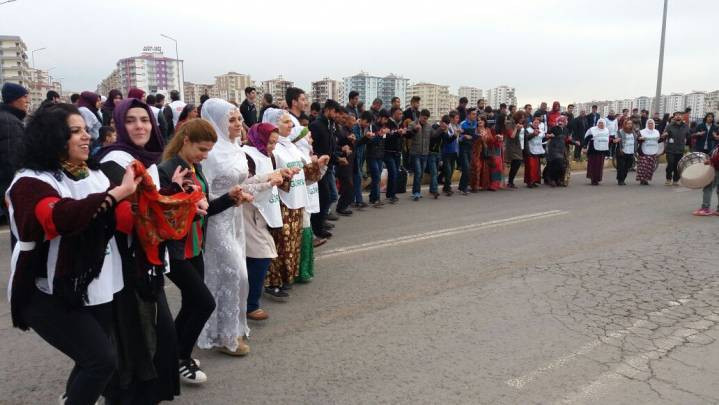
point(346, 191)
point(672, 162)
point(318, 219)
point(577, 151)
point(197, 302)
point(513, 169)
point(624, 163)
point(84, 335)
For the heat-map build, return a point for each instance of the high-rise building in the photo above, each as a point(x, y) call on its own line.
point(194, 91)
point(112, 81)
point(434, 97)
point(277, 87)
point(673, 102)
point(38, 84)
point(366, 85)
point(392, 86)
point(473, 94)
point(696, 100)
point(151, 72)
point(371, 87)
point(13, 60)
point(231, 86)
point(501, 94)
point(643, 103)
point(711, 103)
point(325, 89)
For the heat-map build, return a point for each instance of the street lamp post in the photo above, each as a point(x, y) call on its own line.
point(33, 55)
point(658, 94)
point(180, 80)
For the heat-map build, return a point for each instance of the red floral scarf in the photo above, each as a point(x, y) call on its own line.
point(158, 217)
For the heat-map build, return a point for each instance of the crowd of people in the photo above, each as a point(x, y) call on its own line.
point(109, 196)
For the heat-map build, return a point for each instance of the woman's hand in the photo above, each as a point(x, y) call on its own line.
point(179, 176)
point(128, 185)
point(323, 160)
point(276, 179)
point(202, 207)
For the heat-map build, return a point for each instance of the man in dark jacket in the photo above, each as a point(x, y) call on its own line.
point(248, 108)
point(13, 109)
point(593, 117)
point(578, 126)
point(675, 138)
point(324, 138)
point(462, 108)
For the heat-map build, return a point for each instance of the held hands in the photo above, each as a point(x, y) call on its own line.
point(343, 161)
point(369, 135)
point(237, 194)
point(346, 149)
point(323, 160)
point(276, 179)
point(352, 137)
point(202, 207)
point(616, 140)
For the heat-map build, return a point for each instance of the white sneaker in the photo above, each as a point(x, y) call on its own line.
point(190, 372)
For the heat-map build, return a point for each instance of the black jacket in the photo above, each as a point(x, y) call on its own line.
point(11, 135)
point(393, 142)
point(166, 169)
point(706, 142)
point(324, 137)
point(170, 124)
point(578, 125)
point(375, 146)
point(249, 113)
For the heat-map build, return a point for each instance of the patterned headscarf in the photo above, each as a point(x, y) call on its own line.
point(259, 136)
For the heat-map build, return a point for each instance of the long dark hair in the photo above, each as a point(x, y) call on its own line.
point(185, 112)
point(44, 145)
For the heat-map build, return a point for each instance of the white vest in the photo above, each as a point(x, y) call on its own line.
point(109, 281)
point(268, 201)
point(124, 159)
point(650, 146)
point(288, 156)
point(601, 142)
point(535, 144)
point(628, 144)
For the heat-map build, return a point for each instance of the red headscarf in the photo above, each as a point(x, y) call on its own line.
point(136, 93)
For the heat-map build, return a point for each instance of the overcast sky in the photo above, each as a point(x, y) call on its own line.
point(571, 50)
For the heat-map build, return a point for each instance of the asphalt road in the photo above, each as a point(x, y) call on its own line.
point(583, 295)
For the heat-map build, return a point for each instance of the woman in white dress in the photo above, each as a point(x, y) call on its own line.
point(225, 267)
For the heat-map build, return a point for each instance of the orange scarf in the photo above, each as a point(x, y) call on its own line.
point(158, 217)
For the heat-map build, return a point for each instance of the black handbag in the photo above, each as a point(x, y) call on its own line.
point(401, 186)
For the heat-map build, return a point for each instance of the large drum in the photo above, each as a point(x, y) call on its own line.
point(694, 172)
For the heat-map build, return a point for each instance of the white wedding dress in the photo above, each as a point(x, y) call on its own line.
point(224, 255)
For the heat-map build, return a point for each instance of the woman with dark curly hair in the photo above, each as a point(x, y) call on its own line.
point(66, 267)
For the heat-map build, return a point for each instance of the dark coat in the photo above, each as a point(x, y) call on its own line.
point(11, 135)
point(706, 142)
point(324, 138)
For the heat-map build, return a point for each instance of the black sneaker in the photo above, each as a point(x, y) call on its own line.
point(332, 217)
point(360, 205)
point(276, 293)
point(345, 211)
point(190, 372)
point(328, 225)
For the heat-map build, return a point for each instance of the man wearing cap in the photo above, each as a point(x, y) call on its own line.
point(13, 109)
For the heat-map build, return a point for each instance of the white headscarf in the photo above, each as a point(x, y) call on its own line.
point(650, 133)
point(273, 115)
point(596, 131)
point(226, 155)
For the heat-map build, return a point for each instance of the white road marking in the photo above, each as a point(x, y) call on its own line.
point(402, 240)
point(521, 382)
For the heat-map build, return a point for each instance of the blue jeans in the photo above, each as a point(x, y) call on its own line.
point(433, 164)
point(450, 163)
point(256, 271)
point(419, 163)
point(360, 155)
point(333, 183)
point(375, 170)
point(465, 159)
point(390, 161)
point(357, 181)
